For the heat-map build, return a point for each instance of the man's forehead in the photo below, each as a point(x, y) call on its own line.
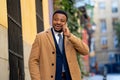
point(60, 12)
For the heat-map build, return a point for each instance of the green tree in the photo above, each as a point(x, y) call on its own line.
point(73, 14)
point(68, 7)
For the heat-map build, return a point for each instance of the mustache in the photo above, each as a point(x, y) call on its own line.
point(58, 25)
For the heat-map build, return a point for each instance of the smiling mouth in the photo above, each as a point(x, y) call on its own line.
point(58, 26)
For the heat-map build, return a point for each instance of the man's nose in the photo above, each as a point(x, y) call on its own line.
point(58, 22)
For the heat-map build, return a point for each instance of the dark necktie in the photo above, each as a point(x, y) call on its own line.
point(60, 42)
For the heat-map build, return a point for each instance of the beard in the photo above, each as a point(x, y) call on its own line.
point(57, 30)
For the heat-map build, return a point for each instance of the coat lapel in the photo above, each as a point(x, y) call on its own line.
point(50, 37)
point(66, 44)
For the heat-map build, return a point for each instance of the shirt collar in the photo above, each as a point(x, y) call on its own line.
point(56, 33)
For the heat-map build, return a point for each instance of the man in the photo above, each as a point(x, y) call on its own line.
point(53, 53)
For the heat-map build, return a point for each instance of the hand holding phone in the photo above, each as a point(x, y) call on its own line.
point(66, 30)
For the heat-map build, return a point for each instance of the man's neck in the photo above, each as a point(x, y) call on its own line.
point(56, 31)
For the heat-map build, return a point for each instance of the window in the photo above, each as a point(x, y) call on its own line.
point(115, 41)
point(104, 42)
point(39, 16)
point(15, 42)
point(103, 25)
point(101, 5)
point(92, 45)
point(114, 21)
point(114, 6)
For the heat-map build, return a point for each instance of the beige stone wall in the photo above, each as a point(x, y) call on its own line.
point(4, 68)
point(3, 13)
point(46, 15)
point(29, 31)
point(107, 15)
point(29, 27)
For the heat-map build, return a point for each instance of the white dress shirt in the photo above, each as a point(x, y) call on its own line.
point(56, 35)
point(57, 39)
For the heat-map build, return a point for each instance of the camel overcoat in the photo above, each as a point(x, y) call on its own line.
point(42, 60)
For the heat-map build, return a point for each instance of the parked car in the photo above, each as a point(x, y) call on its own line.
point(107, 73)
point(108, 77)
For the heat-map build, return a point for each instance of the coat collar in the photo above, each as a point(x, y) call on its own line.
point(50, 37)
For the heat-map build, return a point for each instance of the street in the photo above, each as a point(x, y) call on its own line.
point(100, 77)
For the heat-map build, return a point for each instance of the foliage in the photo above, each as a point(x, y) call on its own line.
point(68, 7)
point(73, 15)
point(81, 65)
point(117, 30)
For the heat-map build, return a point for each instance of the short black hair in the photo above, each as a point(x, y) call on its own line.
point(61, 12)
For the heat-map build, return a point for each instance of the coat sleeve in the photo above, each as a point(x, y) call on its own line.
point(79, 45)
point(34, 60)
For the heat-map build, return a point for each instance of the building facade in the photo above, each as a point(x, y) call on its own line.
point(106, 13)
point(20, 21)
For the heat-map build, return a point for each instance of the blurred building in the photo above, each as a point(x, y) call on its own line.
point(106, 13)
point(86, 21)
point(20, 21)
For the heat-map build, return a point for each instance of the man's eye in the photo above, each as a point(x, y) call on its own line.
point(62, 21)
point(56, 19)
